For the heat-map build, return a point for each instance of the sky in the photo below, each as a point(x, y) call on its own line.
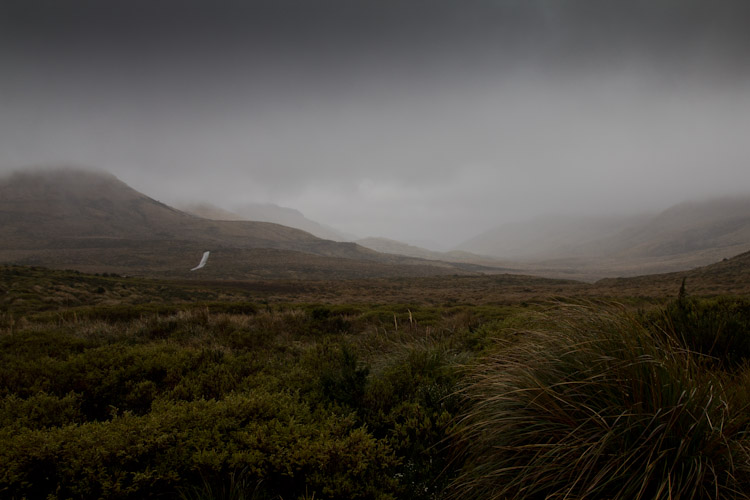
point(426, 121)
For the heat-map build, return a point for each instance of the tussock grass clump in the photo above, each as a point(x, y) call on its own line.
point(599, 407)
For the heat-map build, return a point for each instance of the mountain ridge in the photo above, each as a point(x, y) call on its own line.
point(387, 245)
point(725, 277)
point(84, 218)
point(267, 212)
point(686, 235)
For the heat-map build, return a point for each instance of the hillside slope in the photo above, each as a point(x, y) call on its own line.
point(552, 237)
point(718, 224)
point(266, 212)
point(684, 236)
point(386, 245)
point(727, 277)
point(92, 221)
point(73, 207)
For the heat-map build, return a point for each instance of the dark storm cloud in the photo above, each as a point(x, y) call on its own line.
point(425, 119)
point(551, 29)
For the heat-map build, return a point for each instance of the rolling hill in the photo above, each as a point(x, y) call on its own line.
point(71, 208)
point(726, 277)
point(386, 245)
point(719, 227)
point(684, 236)
point(93, 222)
point(551, 237)
point(267, 212)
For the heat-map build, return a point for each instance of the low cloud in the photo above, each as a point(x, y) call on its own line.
point(422, 122)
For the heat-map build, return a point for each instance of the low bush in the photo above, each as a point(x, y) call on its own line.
point(342, 378)
point(279, 442)
point(40, 410)
point(292, 401)
point(717, 328)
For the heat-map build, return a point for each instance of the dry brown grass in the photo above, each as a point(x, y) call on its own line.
point(597, 406)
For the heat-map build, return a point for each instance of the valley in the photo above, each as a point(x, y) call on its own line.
point(290, 366)
point(375, 250)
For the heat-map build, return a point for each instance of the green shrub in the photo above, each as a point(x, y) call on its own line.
point(236, 485)
point(343, 378)
point(410, 404)
point(40, 410)
point(283, 446)
point(220, 400)
point(598, 407)
point(322, 320)
point(717, 328)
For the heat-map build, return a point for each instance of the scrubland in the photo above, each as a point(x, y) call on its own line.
point(115, 387)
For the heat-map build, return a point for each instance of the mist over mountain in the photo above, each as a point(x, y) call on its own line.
point(728, 276)
point(721, 225)
point(386, 245)
point(77, 205)
point(549, 237)
point(689, 234)
point(201, 318)
point(208, 211)
point(92, 221)
point(267, 212)
point(426, 120)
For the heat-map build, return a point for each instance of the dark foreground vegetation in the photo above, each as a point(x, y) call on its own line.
point(109, 392)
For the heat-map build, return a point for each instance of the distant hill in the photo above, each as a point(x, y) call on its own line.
point(551, 237)
point(684, 236)
point(209, 211)
point(727, 277)
point(385, 245)
point(719, 227)
point(267, 212)
point(94, 222)
point(77, 208)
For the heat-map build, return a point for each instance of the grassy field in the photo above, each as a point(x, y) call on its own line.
point(503, 387)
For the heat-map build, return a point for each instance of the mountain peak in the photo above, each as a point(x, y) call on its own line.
point(65, 183)
point(90, 220)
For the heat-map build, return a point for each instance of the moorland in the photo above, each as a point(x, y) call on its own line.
point(292, 367)
point(447, 387)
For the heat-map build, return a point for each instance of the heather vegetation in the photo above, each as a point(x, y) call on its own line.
point(206, 400)
point(118, 394)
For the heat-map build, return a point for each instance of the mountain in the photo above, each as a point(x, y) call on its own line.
point(92, 221)
point(385, 245)
point(209, 211)
point(74, 208)
point(551, 237)
point(727, 277)
point(718, 227)
point(684, 236)
point(268, 212)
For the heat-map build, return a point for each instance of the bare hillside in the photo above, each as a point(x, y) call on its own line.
point(93, 221)
point(682, 237)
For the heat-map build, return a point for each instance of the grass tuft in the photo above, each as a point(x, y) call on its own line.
point(599, 407)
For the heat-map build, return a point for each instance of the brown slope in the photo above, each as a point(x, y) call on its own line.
point(266, 212)
point(705, 230)
point(552, 237)
point(72, 207)
point(682, 237)
point(730, 276)
point(92, 221)
point(175, 259)
point(386, 245)
point(209, 211)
